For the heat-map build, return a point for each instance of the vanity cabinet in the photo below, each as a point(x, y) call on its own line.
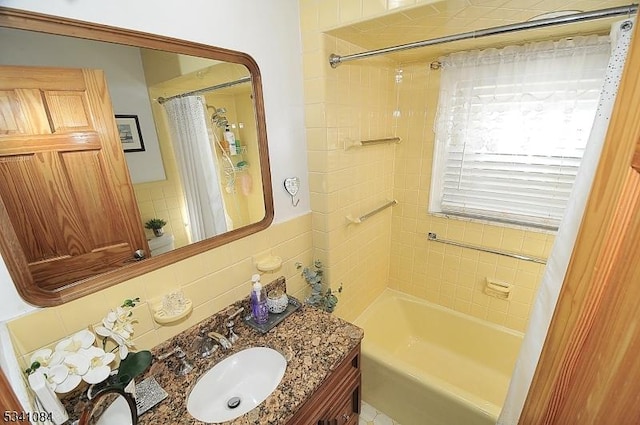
point(337, 400)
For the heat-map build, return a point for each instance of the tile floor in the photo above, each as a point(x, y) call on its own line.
point(370, 416)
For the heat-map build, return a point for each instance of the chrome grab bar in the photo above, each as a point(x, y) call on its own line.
point(351, 144)
point(433, 237)
point(369, 214)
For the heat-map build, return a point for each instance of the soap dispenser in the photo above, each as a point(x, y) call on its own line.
point(259, 308)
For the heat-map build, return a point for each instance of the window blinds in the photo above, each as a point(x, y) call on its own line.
point(511, 128)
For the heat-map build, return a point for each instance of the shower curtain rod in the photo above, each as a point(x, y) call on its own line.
point(335, 60)
point(161, 100)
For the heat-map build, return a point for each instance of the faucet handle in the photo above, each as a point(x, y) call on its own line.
point(179, 353)
point(170, 353)
point(231, 335)
point(184, 367)
point(235, 314)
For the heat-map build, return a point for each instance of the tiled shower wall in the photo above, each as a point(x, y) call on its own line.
point(357, 100)
point(345, 106)
point(447, 275)
point(451, 276)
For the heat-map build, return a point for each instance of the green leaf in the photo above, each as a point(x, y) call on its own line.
point(133, 365)
point(131, 303)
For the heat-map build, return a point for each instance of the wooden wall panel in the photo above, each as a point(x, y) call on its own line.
point(636, 158)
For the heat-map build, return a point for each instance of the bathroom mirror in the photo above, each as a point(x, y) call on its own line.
point(150, 128)
point(110, 407)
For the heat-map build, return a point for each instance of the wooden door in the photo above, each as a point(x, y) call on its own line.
point(66, 200)
point(9, 403)
point(589, 370)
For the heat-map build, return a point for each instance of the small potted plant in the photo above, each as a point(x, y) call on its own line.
point(156, 224)
point(320, 297)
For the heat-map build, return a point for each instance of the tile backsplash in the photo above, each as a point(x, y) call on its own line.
point(212, 280)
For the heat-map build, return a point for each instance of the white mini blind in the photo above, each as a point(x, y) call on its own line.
point(511, 128)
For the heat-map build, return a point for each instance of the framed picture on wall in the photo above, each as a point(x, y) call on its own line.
point(130, 134)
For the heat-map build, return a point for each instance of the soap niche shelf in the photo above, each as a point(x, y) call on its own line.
point(268, 263)
point(172, 308)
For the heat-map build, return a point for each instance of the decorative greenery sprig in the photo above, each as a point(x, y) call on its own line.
point(320, 297)
point(155, 223)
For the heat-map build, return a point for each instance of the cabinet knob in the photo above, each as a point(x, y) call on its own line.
point(346, 417)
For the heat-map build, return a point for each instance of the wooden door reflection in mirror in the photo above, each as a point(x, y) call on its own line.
point(184, 97)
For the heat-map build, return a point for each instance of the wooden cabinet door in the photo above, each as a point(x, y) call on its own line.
point(66, 199)
point(337, 400)
point(346, 405)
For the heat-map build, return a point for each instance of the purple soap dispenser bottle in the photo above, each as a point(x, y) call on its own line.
point(259, 308)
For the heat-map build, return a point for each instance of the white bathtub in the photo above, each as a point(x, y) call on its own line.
point(423, 364)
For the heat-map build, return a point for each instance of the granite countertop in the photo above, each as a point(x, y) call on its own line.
point(314, 343)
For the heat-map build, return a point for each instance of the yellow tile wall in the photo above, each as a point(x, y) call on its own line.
point(357, 100)
point(212, 280)
point(451, 276)
point(344, 106)
point(162, 199)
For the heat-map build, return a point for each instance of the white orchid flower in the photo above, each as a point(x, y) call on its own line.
point(75, 359)
point(78, 341)
point(99, 368)
point(46, 357)
point(118, 326)
point(77, 365)
point(57, 374)
point(54, 375)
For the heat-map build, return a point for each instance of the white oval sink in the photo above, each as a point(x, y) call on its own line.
point(236, 385)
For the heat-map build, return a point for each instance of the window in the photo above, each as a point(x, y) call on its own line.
point(511, 128)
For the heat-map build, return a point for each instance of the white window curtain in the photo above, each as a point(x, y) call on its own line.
point(511, 128)
point(196, 166)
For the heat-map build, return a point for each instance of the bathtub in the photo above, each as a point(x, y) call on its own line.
point(423, 364)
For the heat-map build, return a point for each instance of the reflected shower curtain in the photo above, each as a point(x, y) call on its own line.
point(558, 261)
point(196, 166)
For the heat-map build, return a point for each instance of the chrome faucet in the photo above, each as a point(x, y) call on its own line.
point(184, 367)
point(206, 344)
point(224, 342)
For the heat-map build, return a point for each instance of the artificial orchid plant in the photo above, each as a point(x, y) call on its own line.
point(77, 358)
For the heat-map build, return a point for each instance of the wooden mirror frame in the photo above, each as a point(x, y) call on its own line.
point(93, 406)
point(18, 19)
